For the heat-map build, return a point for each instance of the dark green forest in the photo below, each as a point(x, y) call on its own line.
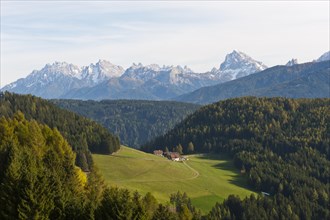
point(39, 180)
point(281, 145)
point(82, 134)
point(38, 176)
point(134, 121)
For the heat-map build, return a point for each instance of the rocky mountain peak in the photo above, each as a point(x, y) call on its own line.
point(324, 57)
point(237, 64)
point(102, 70)
point(292, 62)
point(238, 60)
point(60, 68)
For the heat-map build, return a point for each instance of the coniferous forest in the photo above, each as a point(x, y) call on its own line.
point(83, 135)
point(281, 145)
point(134, 121)
point(39, 180)
point(42, 175)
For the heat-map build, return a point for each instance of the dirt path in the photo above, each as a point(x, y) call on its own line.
point(196, 173)
point(114, 153)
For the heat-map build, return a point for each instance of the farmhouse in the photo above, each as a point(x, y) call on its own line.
point(175, 156)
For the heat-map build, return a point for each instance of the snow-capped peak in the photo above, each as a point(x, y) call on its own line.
point(140, 72)
point(238, 64)
point(237, 60)
point(102, 70)
point(154, 67)
point(60, 78)
point(180, 70)
point(60, 68)
point(324, 57)
point(292, 62)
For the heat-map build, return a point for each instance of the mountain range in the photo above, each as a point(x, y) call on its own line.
point(105, 80)
point(58, 78)
point(308, 80)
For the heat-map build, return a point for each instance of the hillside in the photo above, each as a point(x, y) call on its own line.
point(134, 121)
point(206, 179)
point(82, 134)
point(282, 144)
point(309, 80)
point(37, 173)
point(39, 180)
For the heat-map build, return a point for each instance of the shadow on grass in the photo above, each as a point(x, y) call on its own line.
point(227, 164)
point(238, 179)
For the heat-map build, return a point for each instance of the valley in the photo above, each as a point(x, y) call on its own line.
point(207, 179)
point(165, 110)
point(242, 147)
point(134, 121)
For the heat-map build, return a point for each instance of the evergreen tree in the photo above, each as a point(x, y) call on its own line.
point(191, 148)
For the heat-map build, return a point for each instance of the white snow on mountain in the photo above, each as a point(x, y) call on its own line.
point(101, 71)
point(237, 64)
point(49, 74)
point(60, 68)
point(324, 57)
point(140, 72)
point(167, 74)
point(59, 78)
point(56, 79)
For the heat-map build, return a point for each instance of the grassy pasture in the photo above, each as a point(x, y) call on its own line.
point(205, 178)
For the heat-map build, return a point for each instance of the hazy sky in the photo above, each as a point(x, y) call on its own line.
point(196, 34)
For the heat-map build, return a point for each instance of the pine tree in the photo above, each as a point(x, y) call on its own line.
point(191, 148)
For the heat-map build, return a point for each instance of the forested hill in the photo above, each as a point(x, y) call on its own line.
point(261, 122)
point(82, 134)
point(39, 180)
point(283, 146)
point(134, 121)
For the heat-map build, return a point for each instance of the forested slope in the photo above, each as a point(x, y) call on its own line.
point(83, 134)
point(134, 121)
point(39, 180)
point(282, 145)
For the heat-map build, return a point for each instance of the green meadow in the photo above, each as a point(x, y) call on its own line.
point(205, 178)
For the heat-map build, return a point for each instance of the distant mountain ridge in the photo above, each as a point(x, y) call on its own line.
point(292, 62)
point(105, 80)
point(308, 80)
point(324, 57)
point(54, 80)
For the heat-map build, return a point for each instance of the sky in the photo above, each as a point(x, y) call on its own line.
point(198, 34)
